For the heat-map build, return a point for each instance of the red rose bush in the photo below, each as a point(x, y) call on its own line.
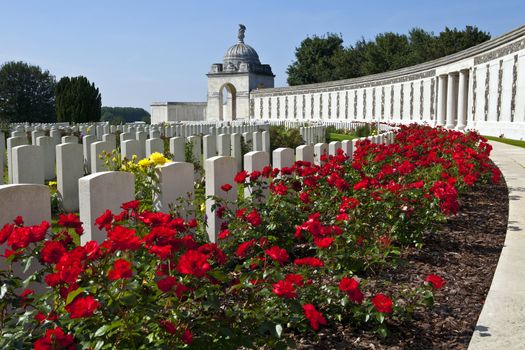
point(294, 261)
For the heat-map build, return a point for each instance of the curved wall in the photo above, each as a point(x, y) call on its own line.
point(480, 88)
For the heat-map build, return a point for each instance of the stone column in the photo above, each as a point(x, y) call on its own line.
point(441, 100)
point(452, 100)
point(462, 99)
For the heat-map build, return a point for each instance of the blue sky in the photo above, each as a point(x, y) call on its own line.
point(138, 52)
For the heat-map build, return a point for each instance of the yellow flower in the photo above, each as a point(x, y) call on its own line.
point(134, 157)
point(144, 163)
point(52, 184)
point(158, 158)
point(203, 207)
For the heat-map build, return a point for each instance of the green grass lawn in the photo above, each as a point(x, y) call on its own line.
point(341, 137)
point(517, 143)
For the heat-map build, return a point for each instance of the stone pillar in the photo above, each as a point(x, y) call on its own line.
point(177, 148)
point(28, 165)
point(70, 168)
point(441, 100)
point(462, 99)
point(101, 191)
point(452, 100)
point(218, 171)
point(175, 182)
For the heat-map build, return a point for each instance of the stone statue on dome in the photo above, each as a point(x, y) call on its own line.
point(240, 35)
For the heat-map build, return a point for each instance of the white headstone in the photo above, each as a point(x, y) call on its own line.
point(319, 150)
point(154, 145)
point(209, 144)
point(49, 155)
point(224, 145)
point(70, 168)
point(97, 149)
point(130, 148)
point(101, 191)
point(218, 171)
point(28, 165)
point(177, 148)
point(283, 158)
point(175, 182)
point(304, 153)
point(333, 147)
point(256, 161)
point(69, 139)
point(236, 150)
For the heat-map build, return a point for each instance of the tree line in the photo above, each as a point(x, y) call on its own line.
point(325, 58)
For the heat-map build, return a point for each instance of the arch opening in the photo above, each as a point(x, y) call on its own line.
point(227, 102)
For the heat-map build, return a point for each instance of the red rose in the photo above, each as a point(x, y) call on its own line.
point(104, 220)
point(51, 252)
point(284, 289)
point(121, 269)
point(278, 254)
point(187, 337)
point(436, 281)
point(5, 232)
point(162, 251)
point(82, 307)
point(382, 303)
point(193, 263)
point(19, 221)
point(295, 279)
point(243, 248)
point(131, 205)
point(55, 339)
point(314, 262)
point(315, 317)
point(226, 187)
point(324, 242)
point(351, 287)
point(241, 176)
point(168, 326)
point(123, 238)
point(72, 221)
point(254, 218)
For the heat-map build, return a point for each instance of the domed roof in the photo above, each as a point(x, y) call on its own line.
point(241, 53)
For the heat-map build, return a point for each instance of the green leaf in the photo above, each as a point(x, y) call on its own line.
point(72, 295)
point(3, 291)
point(28, 264)
point(278, 330)
point(102, 330)
point(218, 275)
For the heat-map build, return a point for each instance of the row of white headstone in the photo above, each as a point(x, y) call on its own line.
point(33, 164)
point(108, 190)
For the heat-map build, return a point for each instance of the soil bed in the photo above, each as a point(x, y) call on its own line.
point(465, 252)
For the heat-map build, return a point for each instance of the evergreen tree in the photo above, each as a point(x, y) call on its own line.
point(26, 93)
point(320, 59)
point(77, 100)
